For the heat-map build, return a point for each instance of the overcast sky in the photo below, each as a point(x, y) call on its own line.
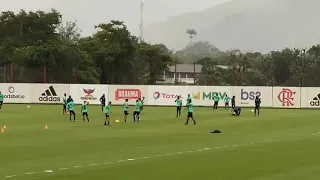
point(91, 12)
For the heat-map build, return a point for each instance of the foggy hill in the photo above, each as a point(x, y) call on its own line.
point(250, 25)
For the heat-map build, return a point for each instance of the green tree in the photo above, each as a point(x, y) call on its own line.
point(191, 33)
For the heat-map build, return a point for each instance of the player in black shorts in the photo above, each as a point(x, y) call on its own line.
point(233, 102)
point(136, 113)
point(103, 101)
point(126, 110)
point(257, 103)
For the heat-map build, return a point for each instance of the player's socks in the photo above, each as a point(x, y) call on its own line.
point(134, 118)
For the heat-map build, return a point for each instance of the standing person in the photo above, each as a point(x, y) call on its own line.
point(216, 100)
point(107, 111)
point(226, 102)
point(136, 114)
point(257, 103)
point(69, 100)
point(190, 113)
point(64, 99)
point(84, 111)
point(179, 106)
point(103, 101)
point(189, 98)
point(71, 107)
point(1, 100)
point(142, 103)
point(233, 102)
point(126, 110)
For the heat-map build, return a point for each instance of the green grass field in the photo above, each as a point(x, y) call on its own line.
point(278, 145)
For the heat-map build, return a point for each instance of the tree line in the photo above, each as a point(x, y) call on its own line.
point(38, 47)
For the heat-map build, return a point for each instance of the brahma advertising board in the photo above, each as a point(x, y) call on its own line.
point(118, 94)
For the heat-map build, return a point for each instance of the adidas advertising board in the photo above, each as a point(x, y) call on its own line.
point(310, 97)
point(48, 93)
point(15, 93)
point(88, 92)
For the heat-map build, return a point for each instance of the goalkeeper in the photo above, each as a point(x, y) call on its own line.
point(236, 111)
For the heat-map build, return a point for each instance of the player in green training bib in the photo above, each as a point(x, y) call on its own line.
point(226, 102)
point(179, 106)
point(1, 100)
point(126, 110)
point(107, 111)
point(136, 113)
point(216, 100)
point(64, 103)
point(190, 113)
point(71, 107)
point(84, 111)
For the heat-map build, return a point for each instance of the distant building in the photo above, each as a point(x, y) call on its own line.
point(182, 73)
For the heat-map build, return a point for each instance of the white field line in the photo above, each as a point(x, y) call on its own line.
point(159, 155)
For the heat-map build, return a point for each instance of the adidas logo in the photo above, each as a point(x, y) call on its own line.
point(49, 95)
point(315, 101)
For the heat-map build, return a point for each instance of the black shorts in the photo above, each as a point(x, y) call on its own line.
point(190, 114)
point(136, 113)
point(71, 112)
point(64, 106)
point(85, 114)
point(257, 107)
point(126, 113)
point(227, 104)
point(216, 103)
point(1, 102)
point(178, 108)
point(107, 115)
point(103, 104)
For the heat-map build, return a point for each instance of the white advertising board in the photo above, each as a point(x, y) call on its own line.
point(88, 92)
point(286, 97)
point(15, 93)
point(166, 95)
point(310, 97)
point(204, 95)
point(119, 93)
point(48, 93)
point(245, 95)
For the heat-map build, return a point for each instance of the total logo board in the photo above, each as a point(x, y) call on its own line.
point(49, 95)
point(157, 95)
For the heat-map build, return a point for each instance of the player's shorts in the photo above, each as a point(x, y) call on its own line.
point(107, 115)
point(1, 102)
point(126, 113)
point(257, 107)
point(72, 112)
point(136, 113)
point(85, 114)
point(178, 108)
point(103, 104)
point(227, 104)
point(190, 114)
point(216, 103)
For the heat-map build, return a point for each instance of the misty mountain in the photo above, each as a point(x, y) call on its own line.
point(250, 25)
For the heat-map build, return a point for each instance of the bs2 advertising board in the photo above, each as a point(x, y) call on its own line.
point(15, 93)
point(88, 92)
point(119, 93)
point(286, 97)
point(166, 95)
point(245, 95)
point(48, 93)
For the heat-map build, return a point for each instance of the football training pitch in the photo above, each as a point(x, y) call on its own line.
point(278, 145)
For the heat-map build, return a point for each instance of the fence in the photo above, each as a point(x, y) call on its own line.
point(278, 97)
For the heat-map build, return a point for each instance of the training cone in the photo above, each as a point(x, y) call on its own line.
point(2, 130)
point(46, 127)
point(4, 127)
point(117, 121)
